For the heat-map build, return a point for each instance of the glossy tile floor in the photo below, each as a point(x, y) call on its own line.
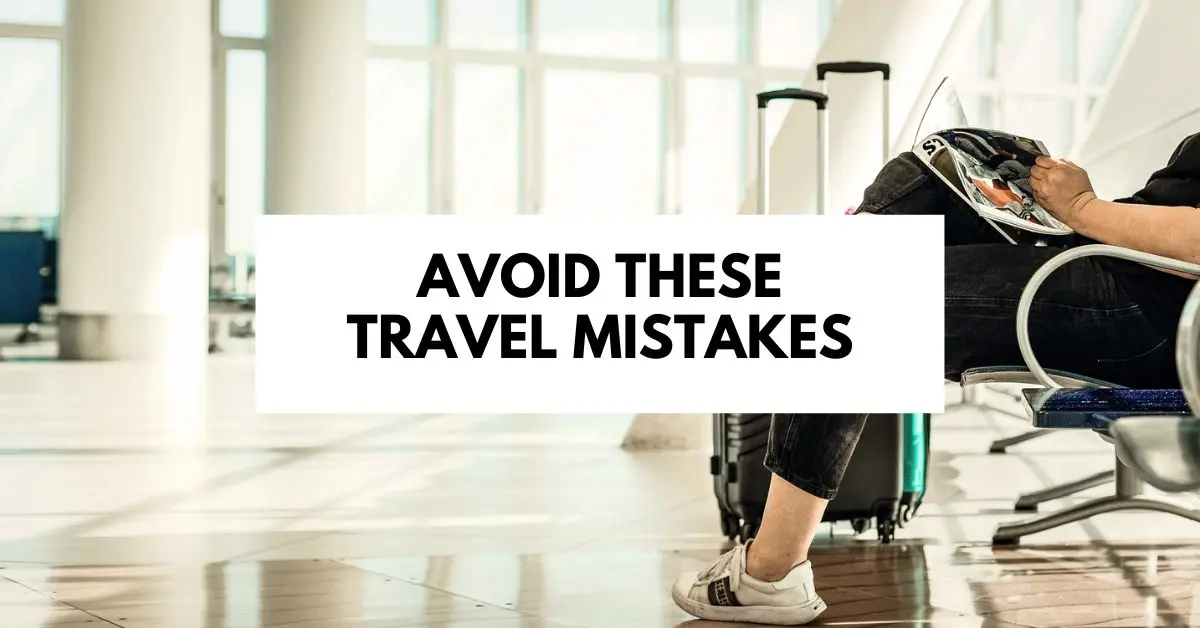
point(138, 498)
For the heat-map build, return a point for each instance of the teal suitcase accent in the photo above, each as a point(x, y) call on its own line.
point(916, 464)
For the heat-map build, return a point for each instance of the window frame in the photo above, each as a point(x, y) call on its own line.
point(57, 32)
point(1078, 91)
point(532, 66)
point(219, 256)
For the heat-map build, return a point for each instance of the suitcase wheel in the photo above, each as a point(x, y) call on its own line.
point(748, 531)
point(909, 504)
point(860, 525)
point(887, 530)
point(729, 525)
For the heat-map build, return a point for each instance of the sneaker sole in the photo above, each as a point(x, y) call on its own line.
point(778, 615)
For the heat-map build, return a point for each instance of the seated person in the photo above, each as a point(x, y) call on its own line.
point(1099, 317)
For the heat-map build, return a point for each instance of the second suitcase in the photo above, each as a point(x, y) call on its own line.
point(887, 461)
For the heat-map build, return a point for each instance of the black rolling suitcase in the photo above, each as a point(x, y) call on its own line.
point(871, 493)
point(874, 487)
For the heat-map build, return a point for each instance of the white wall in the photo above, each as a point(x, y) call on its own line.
point(1152, 103)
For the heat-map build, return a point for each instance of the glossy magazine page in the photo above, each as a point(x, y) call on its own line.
point(990, 171)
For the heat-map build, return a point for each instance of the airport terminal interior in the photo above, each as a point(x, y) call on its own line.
point(140, 139)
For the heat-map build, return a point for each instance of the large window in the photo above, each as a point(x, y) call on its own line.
point(710, 31)
point(603, 148)
point(487, 140)
point(31, 113)
point(401, 22)
point(555, 106)
point(1103, 28)
point(500, 106)
point(245, 147)
point(1034, 51)
point(486, 24)
point(243, 18)
point(630, 29)
point(33, 12)
point(1041, 77)
point(712, 153)
point(30, 145)
point(579, 106)
point(398, 137)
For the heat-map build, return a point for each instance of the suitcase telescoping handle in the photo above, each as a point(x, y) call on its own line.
point(862, 67)
point(821, 101)
point(853, 67)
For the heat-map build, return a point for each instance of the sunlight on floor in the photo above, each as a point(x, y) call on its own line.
point(205, 512)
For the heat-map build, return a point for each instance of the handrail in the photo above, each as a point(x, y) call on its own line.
point(1070, 255)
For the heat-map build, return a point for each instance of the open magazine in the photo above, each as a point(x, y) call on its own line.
point(988, 169)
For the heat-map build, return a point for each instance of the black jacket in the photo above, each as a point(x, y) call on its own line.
point(1177, 184)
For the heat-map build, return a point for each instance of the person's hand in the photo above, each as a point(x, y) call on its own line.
point(1062, 188)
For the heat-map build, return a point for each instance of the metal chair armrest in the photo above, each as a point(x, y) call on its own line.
point(1164, 451)
point(1187, 350)
point(1020, 375)
point(1070, 255)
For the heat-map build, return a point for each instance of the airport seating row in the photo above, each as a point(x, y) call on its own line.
point(30, 278)
point(1065, 401)
point(29, 286)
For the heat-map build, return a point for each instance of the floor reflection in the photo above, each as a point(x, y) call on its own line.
point(115, 519)
point(865, 584)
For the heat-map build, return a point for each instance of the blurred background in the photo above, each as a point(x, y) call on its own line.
point(571, 106)
point(140, 139)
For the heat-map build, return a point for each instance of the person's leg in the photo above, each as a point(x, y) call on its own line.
point(807, 455)
point(1081, 321)
point(905, 187)
point(769, 580)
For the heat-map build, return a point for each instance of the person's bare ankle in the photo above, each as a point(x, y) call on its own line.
point(769, 566)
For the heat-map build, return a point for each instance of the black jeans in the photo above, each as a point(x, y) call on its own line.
point(1082, 321)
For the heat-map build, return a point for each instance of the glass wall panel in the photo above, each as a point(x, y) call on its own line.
point(602, 143)
point(30, 131)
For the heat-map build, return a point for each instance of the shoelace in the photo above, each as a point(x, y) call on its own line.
point(733, 561)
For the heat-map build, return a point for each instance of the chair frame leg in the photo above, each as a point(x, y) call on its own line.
point(1001, 445)
point(29, 333)
point(1127, 497)
point(970, 397)
point(1029, 501)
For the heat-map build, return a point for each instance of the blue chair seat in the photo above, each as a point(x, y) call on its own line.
point(1097, 408)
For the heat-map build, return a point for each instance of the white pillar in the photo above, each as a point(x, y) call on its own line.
point(316, 107)
point(134, 232)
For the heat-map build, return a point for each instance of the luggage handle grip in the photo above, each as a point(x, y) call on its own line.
point(853, 67)
point(793, 93)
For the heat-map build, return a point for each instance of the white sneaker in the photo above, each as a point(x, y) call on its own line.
point(725, 592)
